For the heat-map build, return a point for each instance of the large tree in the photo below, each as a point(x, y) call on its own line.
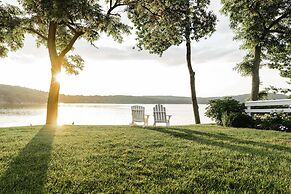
point(161, 24)
point(58, 24)
point(264, 27)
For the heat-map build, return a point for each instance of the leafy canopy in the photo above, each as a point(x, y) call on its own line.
point(69, 21)
point(262, 23)
point(11, 38)
point(161, 24)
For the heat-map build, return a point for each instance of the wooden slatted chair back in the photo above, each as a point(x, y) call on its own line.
point(160, 114)
point(138, 113)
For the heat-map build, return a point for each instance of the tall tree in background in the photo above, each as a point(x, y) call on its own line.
point(264, 27)
point(161, 24)
point(58, 24)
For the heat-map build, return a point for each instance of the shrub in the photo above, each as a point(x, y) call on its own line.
point(226, 119)
point(237, 120)
point(242, 120)
point(220, 106)
point(274, 121)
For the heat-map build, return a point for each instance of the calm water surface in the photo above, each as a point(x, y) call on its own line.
point(95, 114)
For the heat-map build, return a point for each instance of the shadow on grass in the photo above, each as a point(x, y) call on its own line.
point(27, 172)
point(238, 140)
point(225, 141)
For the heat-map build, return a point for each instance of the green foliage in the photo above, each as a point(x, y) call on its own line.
point(259, 22)
point(226, 119)
point(280, 58)
point(59, 24)
point(274, 121)
point(242, 120)
point(246, 66)
point(161, 24)
point(239, 120)
point(263, 95)
point(121, 159)
point(11, 37)
point(276, 90)
point(265, 24)
point(73, 63)
point(217, 108)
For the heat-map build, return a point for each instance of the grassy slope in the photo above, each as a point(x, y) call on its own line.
point(191, 159)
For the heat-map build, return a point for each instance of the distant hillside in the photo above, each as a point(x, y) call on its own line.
point(21, 95)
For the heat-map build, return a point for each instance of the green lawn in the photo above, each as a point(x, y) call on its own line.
point(107, 159)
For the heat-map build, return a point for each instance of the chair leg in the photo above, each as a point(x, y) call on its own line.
point(146, 123)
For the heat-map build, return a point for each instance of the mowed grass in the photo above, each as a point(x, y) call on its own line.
point(123, 159)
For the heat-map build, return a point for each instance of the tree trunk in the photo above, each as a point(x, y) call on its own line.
point(192, 82)
point(189, 64)
point(256, 74)
point(53, 98)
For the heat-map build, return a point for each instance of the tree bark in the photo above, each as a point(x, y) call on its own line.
point(53, 96)
point(189, 64)
point(53, 99)
point(192, 82)
point(256, 74)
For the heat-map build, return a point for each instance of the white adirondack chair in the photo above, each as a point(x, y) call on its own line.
point(160, 115)
point(138, 115)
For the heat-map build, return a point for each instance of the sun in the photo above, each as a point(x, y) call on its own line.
point(60, 77)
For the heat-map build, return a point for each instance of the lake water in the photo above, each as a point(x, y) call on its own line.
point(95, 114)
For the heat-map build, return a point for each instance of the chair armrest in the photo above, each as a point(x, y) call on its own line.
point(169, 116)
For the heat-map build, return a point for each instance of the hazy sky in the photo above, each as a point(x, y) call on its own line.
point(117, 69)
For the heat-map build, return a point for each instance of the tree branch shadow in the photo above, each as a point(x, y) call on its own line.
point(27, 173)
point(239, 140)
point(231, 143)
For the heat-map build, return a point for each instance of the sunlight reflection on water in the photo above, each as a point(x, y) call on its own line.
point(95, 114)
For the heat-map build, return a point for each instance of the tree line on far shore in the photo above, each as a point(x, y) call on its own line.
point(15, 96)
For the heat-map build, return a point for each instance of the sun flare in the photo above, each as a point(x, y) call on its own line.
point(60, 77)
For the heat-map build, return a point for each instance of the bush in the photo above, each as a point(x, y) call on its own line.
point(242, 120)
point(226, 119)
point(274, 121)
point(237, 120)
point(218, 107)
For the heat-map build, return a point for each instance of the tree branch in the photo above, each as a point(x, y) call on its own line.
point(36, 32)
point(148, 9)
point(278, 31)
point(110, 4)
point(115, 5)
point(71, 44)
point(276, 21)
point(51, 42)
point(71, 27)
